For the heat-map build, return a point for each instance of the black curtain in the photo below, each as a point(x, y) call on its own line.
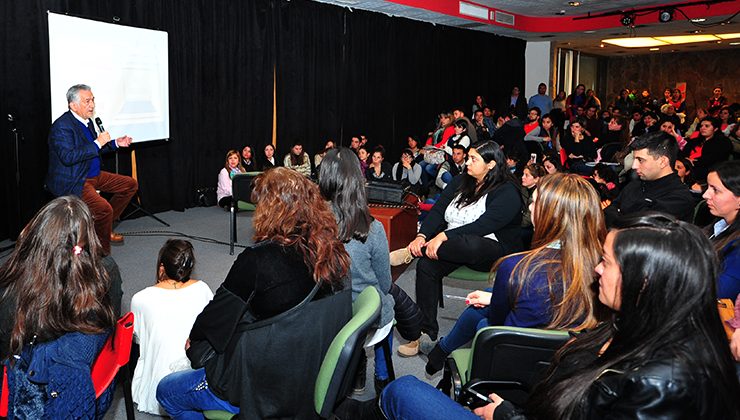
point(337, 73)
point(221, 82)
point(384, 77)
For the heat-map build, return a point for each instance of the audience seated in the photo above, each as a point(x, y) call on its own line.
point(708, 149)
point(268, 158)
point(298, 160)
point(363, 155)
point(459, 115)
point(541, 100)
point(476, 220)
point(481, 129)
point(452, 167)
point(319, 156)
point(545, 133)
point(406, 170)
point(658, 187)
point(164, 314)
point(55, 315)
point(716, 102)
point(232, 167)
point(656, 358)
point(460, 137)
point(444, 131)
point(723, 200)
point(305, 258)
point(551, 163)
point(685, 169)
point(606, 182)
point(342, 184)
point(530, 178)
point(378, 169)
point(579, 147)
point(574, 100)
point(547, 287)
point(510, 135)
point(247, 160)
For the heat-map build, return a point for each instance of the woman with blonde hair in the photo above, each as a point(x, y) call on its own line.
point(548, 286)
point(232, 167)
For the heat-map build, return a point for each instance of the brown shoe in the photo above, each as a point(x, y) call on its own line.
point(409, 349)
point(116, 237)
point(400, 257)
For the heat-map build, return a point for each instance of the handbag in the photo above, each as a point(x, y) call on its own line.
point(726, 312)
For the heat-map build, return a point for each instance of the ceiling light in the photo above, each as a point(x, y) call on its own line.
point(728, 36)
point(637, 42)
point(686, 39)
point(697, 20)
point(734, 43)
point(628, 20)
point(589, 32)
point(574, 3)
point(665, 16)
point(602, 45)
point(655, 49)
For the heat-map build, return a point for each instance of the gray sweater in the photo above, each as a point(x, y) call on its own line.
point(371, 267)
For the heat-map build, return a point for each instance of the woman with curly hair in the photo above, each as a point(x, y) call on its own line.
point(55, 313)
point(296, 253)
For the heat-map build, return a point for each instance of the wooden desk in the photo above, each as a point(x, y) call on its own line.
point(400, 229)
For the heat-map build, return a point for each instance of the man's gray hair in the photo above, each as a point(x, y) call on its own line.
point(73, 93)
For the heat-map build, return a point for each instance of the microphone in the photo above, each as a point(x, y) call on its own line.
point(99, 123)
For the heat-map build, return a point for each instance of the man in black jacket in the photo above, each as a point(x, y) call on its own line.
point(658, 188)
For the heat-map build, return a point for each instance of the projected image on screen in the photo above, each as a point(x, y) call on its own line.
point(126, 68)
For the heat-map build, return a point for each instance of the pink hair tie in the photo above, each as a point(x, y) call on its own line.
point(77, 249)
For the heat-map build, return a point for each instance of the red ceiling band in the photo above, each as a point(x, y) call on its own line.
point(539, 24)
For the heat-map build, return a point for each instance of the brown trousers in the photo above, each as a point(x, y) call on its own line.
point(103, 212)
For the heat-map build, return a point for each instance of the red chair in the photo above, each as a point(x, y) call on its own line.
point(113, 356)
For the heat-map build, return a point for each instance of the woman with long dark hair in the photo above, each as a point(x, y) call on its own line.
point(476, 220)
point(296, 233)
point(723, 200)
point(232, 167)
point(341, 182)
point(548, 286)
point(656, 358)
point(55, 313)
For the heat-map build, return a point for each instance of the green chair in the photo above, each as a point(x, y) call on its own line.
point(218, 415)
point(505, 360)
point(464, 273)
point(343, 356)
point(241, 192)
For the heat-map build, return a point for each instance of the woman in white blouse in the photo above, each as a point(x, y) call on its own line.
point(164, 314)
point(476, 220)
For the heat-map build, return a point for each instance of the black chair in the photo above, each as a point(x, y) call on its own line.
point(506, 360)
point(702, 216)
point(241, 199)
point(609, 150)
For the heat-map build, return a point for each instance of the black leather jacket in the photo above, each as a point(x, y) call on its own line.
point(666, 389)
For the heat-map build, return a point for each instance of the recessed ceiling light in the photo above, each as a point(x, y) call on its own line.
point(697, 20)
point(574, 3)
point(602, 45)
point(655, 49)
point(637, 42)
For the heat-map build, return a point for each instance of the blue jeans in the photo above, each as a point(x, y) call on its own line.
point(470, 321)
point(185, 394)
point(410, 398)
point(381, 368)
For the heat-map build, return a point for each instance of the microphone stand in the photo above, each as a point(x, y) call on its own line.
point(16, 144)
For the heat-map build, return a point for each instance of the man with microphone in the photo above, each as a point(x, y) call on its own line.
point(74, 164)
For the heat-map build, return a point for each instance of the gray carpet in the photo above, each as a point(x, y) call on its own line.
point(206, 226)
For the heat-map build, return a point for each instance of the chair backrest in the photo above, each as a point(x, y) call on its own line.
point(609, 150)
point(341, 360)
point(702, 216)
point(511, 360)
point(114, 354)
point(241, 186)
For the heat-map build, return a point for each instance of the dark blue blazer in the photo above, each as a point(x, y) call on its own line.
point(70, 155)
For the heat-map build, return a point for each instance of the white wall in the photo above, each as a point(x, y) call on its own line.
point(536, 67)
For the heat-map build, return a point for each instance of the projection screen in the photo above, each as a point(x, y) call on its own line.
point(126, 67)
